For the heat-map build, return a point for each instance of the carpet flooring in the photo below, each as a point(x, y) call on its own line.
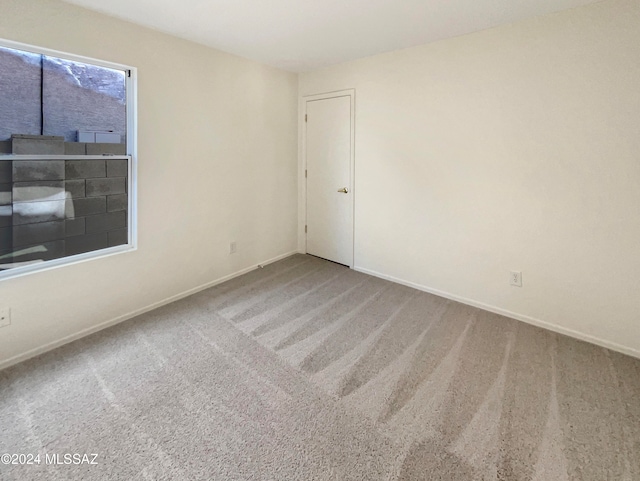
point(306, 370)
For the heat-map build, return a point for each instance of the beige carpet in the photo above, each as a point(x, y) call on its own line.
point(306, 370)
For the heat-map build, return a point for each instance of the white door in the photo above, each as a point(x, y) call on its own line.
point(329, 182)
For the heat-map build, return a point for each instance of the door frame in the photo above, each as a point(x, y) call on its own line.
point(302, 165)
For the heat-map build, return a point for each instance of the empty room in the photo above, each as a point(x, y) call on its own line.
point(390, 240)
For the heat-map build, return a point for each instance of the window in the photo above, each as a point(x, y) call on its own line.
point(67, 171)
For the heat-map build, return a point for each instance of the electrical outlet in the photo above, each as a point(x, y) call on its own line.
point(232, 248)
point(516, 278)
point(5, 317)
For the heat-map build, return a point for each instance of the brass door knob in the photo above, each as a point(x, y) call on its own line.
point(344, 190)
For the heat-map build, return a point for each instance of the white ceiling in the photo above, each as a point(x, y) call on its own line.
point(302, 35)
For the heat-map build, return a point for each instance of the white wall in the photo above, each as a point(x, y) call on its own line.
point(516, 148)
point(217, 162)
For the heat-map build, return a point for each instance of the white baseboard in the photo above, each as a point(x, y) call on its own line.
point(513, 315)
point(103, 325)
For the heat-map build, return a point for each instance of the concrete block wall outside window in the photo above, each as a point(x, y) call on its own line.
point(53, 208)
point(61, 198)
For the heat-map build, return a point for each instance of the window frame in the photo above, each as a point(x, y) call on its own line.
point(131, 106)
